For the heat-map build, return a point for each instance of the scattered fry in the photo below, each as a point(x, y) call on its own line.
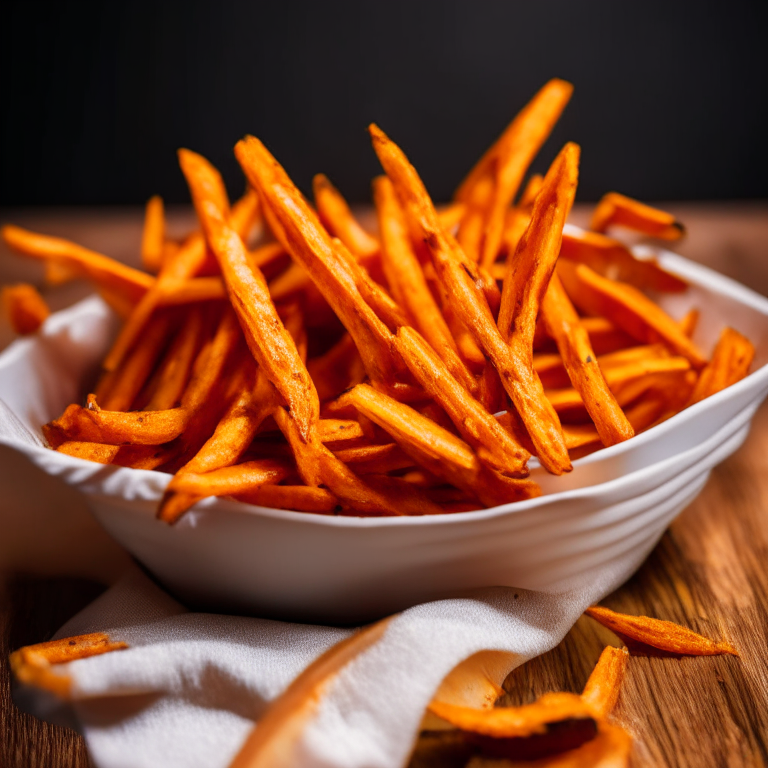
point(614, 208)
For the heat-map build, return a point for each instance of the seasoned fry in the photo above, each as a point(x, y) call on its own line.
point(602, 689)
point(311, 247)
point(516, 150)
point(581, 363)
point(24, 307)
point(730, 363)
point(128, 283)
point(153, 237)
point(494, 445)
point(32, 663)
point(271, 345)
point(471, 306)
point(612, 259)
point(338, 219)
point(663, 635)
point(616, 209)
point(628, 309)
point(408, 284)
point(301, 498)
point(437, 450)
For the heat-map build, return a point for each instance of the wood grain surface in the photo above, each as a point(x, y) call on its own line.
point(709, 572)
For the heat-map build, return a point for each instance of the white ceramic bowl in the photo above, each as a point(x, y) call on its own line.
point(223, 555)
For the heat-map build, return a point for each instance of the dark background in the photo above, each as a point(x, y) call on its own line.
point(670, 99)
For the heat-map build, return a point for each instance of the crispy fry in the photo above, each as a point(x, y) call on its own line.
point(494, 445)
point(604, 336)
point(271, 345)
point(437, 450)
point(628, 309)
point(32, 663)
point(153, 237)
point(581, 363)
point(240, 478)
point(338, 219)
point(136, 456)
point(656, 633)
point(460, 282)
point(516, 150)
point(300, 498)
point(25, 308)
point(472, 227)
point(177, 364)
point(375, 459)
point(310, 246)
point(137, 366)
point(338, 430)
point(612, 259)
point(406, 279)
point(532, 189)
point(618, 209)
point(602, 689)
point(730, 363)
point(128, 283)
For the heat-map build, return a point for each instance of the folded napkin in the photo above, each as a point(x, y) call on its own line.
point(191, 686)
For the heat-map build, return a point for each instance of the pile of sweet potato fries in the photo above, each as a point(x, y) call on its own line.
point(284, 356)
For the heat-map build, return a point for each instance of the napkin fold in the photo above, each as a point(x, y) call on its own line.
point(191, 686)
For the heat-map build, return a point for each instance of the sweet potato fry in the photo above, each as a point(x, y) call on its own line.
point(612, 259)
point(175, 273)
point(516, 151)
point(338, 369)
point(311, 246)
point(656, 633)
point(317, 465)
point(616, 209)
point(128, 283)
point(240, 478)
point(193, 291)
point(437, 450)
point(494, 445)
point(137, 366)
point(408, 284)
point(730, 363)
point(135, 456)
point(460, 282)
point(375, 459)
point(581, 363)
point(338, 219)
point(528, 196)
point(338, 430)
point(602, 689)
point(628, 309)
point(271, 345)
point(32, 663)
point(24, 307)
point(153, 237)
point(604, 336)
point(472, 227)
point(300, 498)
point(177, 364)
point(689, 321)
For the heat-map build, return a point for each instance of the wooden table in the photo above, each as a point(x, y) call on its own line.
point(709, 572)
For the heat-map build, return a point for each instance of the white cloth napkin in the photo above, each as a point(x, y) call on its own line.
point(191, 686)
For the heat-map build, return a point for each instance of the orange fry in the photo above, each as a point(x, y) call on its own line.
point(128, 283)
point(461, 284)
point(177, 364)
point(604, 336)
point(338, 219)
point(32, 663)
point(337, 369)
point(628, 309)
point(663, 635)
point(602, 689)
point(494, 445)
point(408, 284)
point(153, 237)
point(175, 272)
point(25, 308)
point(240, 478)
point(136, 456)
point(300, 498)
point(270, 343)
point(618, 209)
point(437, 450)
point(311, 246)
point(581, 363)
point(612, 259)
point(515, 152)
point(730, 363)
